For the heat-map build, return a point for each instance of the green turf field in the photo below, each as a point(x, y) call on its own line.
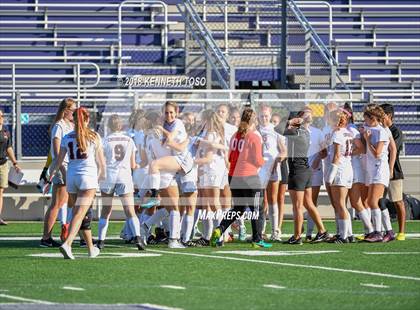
point(352, 276)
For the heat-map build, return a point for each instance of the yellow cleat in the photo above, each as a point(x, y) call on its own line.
point(360, 237)
point(400, 236)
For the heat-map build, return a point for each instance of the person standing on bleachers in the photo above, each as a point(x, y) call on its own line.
point(6, 151)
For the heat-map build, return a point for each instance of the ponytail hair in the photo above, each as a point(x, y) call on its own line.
point(84, 134)
point(248, 116)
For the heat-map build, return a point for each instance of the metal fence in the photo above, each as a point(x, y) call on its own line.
point(31, 114)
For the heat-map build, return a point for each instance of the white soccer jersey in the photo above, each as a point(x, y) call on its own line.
point(344, 138)
point(80, 163)
point(316, 139)
point(217, 165)
point(59, 130)
point(327, 133)
point(118, 149)
point(138, 140)
point(230, 131)
point(271, 141)
point(357, 160)
point(379, 133)
point(181, 135)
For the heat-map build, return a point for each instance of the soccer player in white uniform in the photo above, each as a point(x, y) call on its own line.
point(274, 149)
point(86, 166)
point(63, 124)
point(340, 175)
point(378, 172)
point(176, 159)
point(225, 114)
point(120, 152)
point(212, 163)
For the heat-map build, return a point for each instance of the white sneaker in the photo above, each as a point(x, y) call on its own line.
point(66, 251)
point(175, 244)
point(275, 237)
point(95, 252)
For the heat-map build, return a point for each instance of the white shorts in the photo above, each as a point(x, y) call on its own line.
point(344, 177)
point(185, 161)
point(139, 176)
point(317, 177)
point(276, 174)
point(167, 179)
point(118, 189)
point(359, 172)
point(225, 181)
point(210, 179)
point(78, 182)
point(188, 182)
point(378, 174)
point(266, 171)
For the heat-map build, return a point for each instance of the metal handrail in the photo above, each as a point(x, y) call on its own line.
point(165, 28)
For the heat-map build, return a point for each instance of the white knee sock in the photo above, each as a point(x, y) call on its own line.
point(174, 224)
point(369, 213)
point(157, 217)
point(127, 230)
point(69, 214)
point(208, 225)
point(62, 214)
point(343, 229)
point(336, 224)
point(102, 228)
point(386, 220)
point(376, 219)
point(273, 212)
point(310, 225)
point(218, 216)
point(365, 218)
point(187, 225)
point(349, 224)
point(134, 225)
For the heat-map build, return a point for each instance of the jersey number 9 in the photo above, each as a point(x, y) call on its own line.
point(119, 152)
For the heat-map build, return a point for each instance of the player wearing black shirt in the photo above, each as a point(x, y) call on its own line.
point(395, 190)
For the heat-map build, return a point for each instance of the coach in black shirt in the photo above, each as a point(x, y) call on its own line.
point(395, 190)
point(6, 151)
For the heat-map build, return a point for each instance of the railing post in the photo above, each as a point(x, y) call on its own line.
point(333, 81)
point(232, 77)
point(209, 81)
point(46, 19)
point(226, 28)
point(283, 52)
point(14, 106)
point(362, 20)
point(78, 84)
point(307, 60)
point(18, 127)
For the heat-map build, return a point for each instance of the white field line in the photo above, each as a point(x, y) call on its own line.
point(35, 301)
point(158, 307)
point(377, 274)
point(72, 288)
point(174, 287)
point(392, 253)
point(374, 285)
point(273, 286)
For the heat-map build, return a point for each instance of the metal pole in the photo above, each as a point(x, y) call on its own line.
point(283, 53)
point(14, 106)
point(18, 127)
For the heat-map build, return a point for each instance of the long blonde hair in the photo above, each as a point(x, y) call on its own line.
point(84, 134)
point(214, 123)
point(247, 118)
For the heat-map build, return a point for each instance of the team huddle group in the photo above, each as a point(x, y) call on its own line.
point(168, 168)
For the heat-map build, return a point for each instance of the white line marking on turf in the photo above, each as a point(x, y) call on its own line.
point(273, 286)
point(274, 253)
point(374, 285)
point(392, 253)
point(174, 287)
point(377, 274)
point(159, 307)
point(36, 301)
point(72, 288)
point(104, 255)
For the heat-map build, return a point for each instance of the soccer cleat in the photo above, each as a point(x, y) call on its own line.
point(351, 239)
point(140, 244)
point(144, 232)
point(340, 240)
point(320, 237)
point(389, 236)
point(3, 222)
point(175, 244)
point(227, 238)
point(94, 253)
point(275, 237)
point(261, 244)
point(215, 236)
point(400, 237)
point(202, 242)
point(189, 244)
point(64, 232)
point(66, 251)
point(49, 243)
point(100, 244)
point(331, 239)
point(361, 237)
point(374, 237)
point(242, 233)
point(152, 202)
point(308, 239)
point(293, 240)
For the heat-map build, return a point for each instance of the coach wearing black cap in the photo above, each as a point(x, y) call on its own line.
point(6, 150)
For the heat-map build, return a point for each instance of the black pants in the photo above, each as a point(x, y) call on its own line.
point(246, 192)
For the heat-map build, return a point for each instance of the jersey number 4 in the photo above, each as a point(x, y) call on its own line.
point(79, 154)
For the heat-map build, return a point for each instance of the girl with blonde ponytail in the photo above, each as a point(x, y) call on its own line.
point(86, 166)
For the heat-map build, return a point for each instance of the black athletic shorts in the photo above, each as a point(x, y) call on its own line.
point(284, 172)
point(300, 179)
